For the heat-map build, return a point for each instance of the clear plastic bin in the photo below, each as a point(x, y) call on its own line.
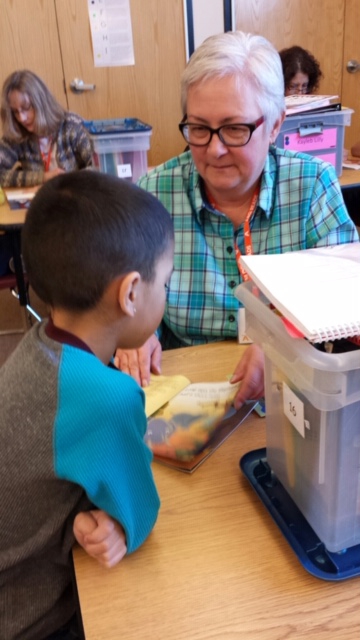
point(120, 146)
point(318, 134)
point(312, 424)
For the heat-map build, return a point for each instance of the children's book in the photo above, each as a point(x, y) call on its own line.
point(187, 421)
point(315, 290)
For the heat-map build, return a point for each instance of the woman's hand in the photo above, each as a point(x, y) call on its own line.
point(139, 363)
point(250, 371)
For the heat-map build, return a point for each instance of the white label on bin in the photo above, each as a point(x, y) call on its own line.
point(294, 410)
point(124, 170)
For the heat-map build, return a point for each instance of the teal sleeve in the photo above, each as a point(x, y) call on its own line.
point(99, 442)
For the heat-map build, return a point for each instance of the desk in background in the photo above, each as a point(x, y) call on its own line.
point(216, 567)
point(350, 187)
point(11, 221)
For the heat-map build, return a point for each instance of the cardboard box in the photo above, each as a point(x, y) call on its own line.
point(312, 403)
point(319, 134)
point(120, 146)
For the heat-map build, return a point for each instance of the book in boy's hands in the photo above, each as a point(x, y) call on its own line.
point(300, 103)
point(316, 290)
point(187, 422)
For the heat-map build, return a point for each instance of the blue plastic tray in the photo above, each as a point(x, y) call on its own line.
point(311, 552)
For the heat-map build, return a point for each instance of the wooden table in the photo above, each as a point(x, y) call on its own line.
point(215, 567)
point(350, 178)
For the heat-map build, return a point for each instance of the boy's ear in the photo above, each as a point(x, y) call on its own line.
point(128, 292)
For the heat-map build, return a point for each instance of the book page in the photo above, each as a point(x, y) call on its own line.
point(161, 389)
point(184, 425)
point(316, 289)
point(25, 193)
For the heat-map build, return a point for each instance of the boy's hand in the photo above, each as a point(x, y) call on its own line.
point(101, 536)
point(250, 370)
point(138, 363)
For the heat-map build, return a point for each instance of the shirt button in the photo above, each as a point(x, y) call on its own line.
point(232, 284)
point(231, 318)
point(230, 249)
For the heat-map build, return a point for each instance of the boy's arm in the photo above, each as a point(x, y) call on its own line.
point(101, 536)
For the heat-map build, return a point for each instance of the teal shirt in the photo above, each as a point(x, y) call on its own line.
point(300, 206)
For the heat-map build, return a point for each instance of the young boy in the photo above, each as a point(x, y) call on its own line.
point(98, 251)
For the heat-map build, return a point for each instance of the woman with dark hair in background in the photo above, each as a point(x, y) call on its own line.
point(301, 70)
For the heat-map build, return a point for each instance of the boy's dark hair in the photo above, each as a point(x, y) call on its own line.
point(85, 228)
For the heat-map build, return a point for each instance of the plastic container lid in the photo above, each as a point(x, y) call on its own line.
point(117, 125)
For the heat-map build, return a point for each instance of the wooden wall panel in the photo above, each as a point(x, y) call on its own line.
point(316, 26)
point(351, 81)
point(150, 90)
point(29, 39)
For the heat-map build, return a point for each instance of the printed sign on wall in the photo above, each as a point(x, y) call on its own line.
point(111, 33)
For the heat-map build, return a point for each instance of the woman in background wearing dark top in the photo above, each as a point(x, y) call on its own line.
point(301, 70)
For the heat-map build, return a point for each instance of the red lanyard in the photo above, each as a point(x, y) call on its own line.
point(247, 232)
point(46, 157)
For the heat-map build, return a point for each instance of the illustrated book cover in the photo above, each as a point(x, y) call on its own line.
point(188, 421)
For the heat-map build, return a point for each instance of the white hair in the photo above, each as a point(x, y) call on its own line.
point(250, 58)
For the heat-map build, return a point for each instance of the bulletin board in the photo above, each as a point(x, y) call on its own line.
point(204, 18)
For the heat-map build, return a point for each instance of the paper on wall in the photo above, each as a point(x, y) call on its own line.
point(111, 33)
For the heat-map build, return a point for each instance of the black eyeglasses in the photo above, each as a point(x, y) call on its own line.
point(299, 88)
point(232, 135)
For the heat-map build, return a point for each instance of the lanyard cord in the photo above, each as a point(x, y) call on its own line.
point(247, 236)
point(46, 156)
point(247, 232)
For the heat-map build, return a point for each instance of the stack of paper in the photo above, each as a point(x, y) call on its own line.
point(297, 104)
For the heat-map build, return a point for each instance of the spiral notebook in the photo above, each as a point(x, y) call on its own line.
point(316, 290)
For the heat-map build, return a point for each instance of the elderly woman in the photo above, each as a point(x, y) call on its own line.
point(233, 192)
point(40, 138)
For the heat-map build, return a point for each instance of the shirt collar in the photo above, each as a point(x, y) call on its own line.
point(65, 337)
point(268, 183)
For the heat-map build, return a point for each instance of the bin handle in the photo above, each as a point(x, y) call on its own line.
point(311, 129)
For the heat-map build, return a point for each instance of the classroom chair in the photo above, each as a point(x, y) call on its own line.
point(8, 281)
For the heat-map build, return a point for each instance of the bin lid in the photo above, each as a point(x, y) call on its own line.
point(117, 125)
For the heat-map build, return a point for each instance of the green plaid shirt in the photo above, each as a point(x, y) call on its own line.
point(300, 206)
